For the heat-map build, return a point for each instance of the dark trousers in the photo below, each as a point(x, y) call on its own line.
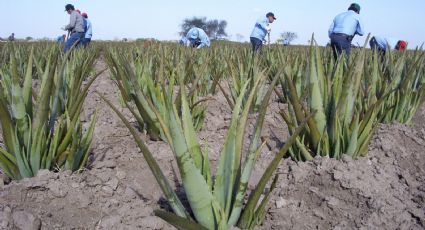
point(341, 44)
point(196, 43)
point(257, 44)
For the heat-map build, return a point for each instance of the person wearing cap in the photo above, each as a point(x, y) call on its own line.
point(382, 44)
point(196, 37)
point(260, 31)
point(12, 37)
point(343, 29)
point(88, 30)
point(75, 26)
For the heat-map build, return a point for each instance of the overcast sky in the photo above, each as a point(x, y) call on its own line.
point(160, 19)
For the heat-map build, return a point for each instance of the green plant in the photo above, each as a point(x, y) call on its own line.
point(216, 202)
point(343, 122)
point(42, 130)
point(404, 74)
point(141, 82)
point(241, 67)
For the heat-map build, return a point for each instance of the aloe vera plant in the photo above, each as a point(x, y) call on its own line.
point(241, 67)
point(405, 75)
point(42, 130)
point(216, 202)
point(342, 124)
point(141, 81)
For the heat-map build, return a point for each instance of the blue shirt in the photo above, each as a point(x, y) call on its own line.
point(60, 39)
point(260, 29)
point(384, 42)
point(88, 28)
point(348, 23)
point(196, 35)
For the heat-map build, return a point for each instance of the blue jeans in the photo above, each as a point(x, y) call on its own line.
point(75, 37)
point(257, 44)
point(340, 44)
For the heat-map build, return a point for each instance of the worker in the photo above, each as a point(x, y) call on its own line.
point(381, 44)
point(61, 39)
point(12, 37)
point(196, 37)
point(88, 30)
point(75, 27)
point(343, 29)
point(260, 31)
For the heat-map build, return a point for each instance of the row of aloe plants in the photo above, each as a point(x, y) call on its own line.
point(349, 100)
point(333, 108)
point(216, 202)
point(41, 98)
point(343, 123)
point(148, 76)
point(405, 74)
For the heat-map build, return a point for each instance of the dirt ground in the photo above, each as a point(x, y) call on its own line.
point(385, 190)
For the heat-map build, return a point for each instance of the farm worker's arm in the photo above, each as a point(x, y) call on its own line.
point(331, 28)
point(205, 41)
point(263, 24)
point(360, 27)
point(72, 21)
point(89, 31)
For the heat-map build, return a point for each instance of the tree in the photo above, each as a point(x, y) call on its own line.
point(215, 29)
point(287, 37)
point(28, 38)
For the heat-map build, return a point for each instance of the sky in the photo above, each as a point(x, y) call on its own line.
point(160, 19)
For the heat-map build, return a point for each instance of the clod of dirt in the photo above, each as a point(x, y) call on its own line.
point(25, 220)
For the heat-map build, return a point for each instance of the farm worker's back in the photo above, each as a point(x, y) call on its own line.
point(196, 37)
point(260, 31)
point(343, 29)
point(383, 43)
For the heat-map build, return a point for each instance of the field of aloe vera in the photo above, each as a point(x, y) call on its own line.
point(158, 136)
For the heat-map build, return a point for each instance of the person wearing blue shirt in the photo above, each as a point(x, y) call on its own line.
point(260, 31)
point(12, 37)
point(88, 30)
point(343, 29)
point(196, 37)
point(61, 39)
point(381, 44)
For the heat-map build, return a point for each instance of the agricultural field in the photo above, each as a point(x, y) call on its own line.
point(153, 135)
